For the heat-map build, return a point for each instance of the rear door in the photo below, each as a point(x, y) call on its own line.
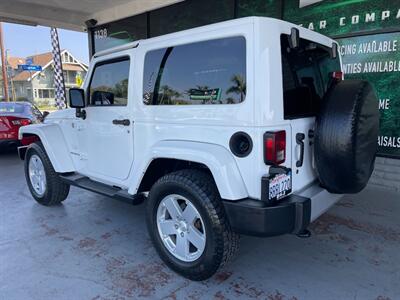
point(307, 74)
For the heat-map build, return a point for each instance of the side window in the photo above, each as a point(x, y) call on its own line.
point(210, 72)
point(109, 83)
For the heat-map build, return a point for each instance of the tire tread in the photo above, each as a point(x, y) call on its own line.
point(227, 241)
point(57, 190)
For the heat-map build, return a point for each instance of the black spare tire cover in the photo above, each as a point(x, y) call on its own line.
point(346, 136)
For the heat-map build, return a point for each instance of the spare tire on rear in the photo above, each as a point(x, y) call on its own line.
point(346, 136)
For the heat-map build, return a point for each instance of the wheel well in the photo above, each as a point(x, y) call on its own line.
point(162, 166)
point(30, 134)
point(27, 139)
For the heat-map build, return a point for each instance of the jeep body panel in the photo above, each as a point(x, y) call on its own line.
point(53, 140)
point(217, 158)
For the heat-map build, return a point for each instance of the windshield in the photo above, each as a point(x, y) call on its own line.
point(6, 108)
point(307, 75)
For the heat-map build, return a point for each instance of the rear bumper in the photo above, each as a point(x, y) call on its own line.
point(293, 214)
point(255, 217)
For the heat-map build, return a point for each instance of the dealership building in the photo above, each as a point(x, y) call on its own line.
point(368, 32)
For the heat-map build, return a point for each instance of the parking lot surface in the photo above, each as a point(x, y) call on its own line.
point(93, 247)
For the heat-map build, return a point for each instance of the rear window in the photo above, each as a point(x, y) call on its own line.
point(307, 75)
point(11, 108)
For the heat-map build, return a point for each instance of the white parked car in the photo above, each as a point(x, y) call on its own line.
point(240, 127)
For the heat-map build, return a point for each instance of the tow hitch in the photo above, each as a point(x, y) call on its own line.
point(304, 234)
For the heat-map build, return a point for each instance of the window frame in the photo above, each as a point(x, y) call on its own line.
point(41, 93)
point(194, 42)
point(106, 62)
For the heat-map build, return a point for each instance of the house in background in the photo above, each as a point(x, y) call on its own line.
point(39, 86)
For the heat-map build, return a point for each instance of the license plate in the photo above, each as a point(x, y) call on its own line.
point(279, 186)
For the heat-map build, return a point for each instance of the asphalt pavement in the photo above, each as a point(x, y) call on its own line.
point(93, 247)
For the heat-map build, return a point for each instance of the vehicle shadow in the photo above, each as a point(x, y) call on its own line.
point(10, 151)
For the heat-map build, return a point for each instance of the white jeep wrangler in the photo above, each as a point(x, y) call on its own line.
point(240, 127)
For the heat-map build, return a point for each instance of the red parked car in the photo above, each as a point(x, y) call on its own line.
point(13, 115)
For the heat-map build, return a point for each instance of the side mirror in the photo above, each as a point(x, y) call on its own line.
point(45, 114)
point(294, 38)
point(77, 100)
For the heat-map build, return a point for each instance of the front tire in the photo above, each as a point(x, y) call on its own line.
point(187, 224)
point(43, 181)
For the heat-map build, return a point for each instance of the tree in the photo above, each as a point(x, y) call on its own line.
point(230, 100)
point(167, 93)
point(202, 87)
point(121, 89)
point(239, 87)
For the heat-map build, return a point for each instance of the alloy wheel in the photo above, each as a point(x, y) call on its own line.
point(37, 175)
point(181, 228)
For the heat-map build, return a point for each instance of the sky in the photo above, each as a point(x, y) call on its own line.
point(23, 41)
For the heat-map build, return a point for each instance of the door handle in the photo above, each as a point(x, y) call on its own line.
point(124, 122)
point(300, 141)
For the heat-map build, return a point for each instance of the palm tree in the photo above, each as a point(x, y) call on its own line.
point(167, 93)
point(203, 88)
point(239, 86)
point(230, 100)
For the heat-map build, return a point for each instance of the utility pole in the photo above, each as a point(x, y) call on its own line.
point(10, 75)
point(3, 64)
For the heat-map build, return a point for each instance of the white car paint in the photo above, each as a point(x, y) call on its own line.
point(217, 158)
point(119, 156)
point(53, 140)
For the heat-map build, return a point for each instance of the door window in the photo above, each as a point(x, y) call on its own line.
point(109, 83)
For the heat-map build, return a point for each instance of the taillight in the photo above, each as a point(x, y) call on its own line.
point(338, 75)
point(275, 147)
point(21, 122)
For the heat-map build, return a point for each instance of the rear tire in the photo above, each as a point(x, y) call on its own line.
point(195, 190)
point(44, 183)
